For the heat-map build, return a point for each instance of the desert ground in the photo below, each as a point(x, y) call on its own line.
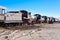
point(35, 32)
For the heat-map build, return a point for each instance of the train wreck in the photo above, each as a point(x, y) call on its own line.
point(22, 17)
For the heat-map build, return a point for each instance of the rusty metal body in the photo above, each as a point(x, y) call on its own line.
point(22, 17)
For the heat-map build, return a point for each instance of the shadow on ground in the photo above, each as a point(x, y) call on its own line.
point(24, 27)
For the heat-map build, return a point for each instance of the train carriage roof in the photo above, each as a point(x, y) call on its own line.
point(23, 11)
point(37, 15)
point(13, 12)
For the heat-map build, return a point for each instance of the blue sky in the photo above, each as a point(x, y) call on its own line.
point(43, 7)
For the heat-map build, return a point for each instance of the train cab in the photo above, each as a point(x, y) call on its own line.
point(2, 12)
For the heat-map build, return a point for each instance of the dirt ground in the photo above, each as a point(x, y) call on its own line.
point(35, 32)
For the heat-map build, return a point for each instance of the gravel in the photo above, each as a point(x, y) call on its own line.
point(44, 32)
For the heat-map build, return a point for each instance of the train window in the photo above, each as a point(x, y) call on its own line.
point(2, 11)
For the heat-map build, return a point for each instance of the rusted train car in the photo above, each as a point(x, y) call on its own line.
point(13, 18)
